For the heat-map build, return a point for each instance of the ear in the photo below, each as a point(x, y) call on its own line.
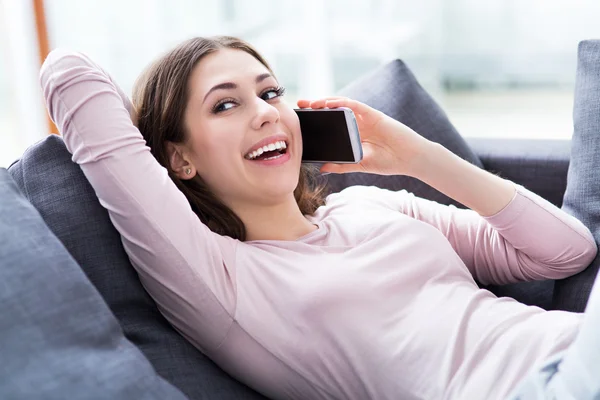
point(179, 161)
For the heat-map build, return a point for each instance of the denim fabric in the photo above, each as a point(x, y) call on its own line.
point(58, 189)
point(582, 197)
point(575, 374)
point(58, 338)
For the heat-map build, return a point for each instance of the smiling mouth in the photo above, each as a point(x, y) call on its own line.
point(268, 152)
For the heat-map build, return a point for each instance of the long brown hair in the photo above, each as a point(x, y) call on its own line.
point(160, 97)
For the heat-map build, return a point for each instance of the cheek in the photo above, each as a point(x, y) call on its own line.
point(213, 147)
point(291, 121)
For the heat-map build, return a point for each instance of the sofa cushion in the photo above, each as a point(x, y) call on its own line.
point(394, 90)
point(582, 196)
point(58, 338)
point(58, 189)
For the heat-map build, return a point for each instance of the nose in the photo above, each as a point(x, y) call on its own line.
point(265, 114)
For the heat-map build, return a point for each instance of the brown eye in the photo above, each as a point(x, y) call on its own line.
point(273, 93)
point(223, 105)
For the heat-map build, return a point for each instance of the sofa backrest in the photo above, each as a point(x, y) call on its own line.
point(394, 90)
point(58, 339)
point(58, 189)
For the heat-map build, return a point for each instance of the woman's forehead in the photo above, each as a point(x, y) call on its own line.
point(227, 65)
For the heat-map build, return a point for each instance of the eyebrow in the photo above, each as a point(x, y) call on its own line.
point(231, 85)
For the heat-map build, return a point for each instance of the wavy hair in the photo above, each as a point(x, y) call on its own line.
point(160, 97)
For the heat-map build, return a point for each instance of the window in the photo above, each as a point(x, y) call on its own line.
point(22, 115)
point(499, 68)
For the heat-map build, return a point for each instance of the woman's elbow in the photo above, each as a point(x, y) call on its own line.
point(584, 258)
point(61, 66)
point(590, 253)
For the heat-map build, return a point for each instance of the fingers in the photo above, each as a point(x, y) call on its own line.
point(342, 168)
point(334, 168)
point(356, 106)
point(304, 103)
point(320, 103)
point(361, 110)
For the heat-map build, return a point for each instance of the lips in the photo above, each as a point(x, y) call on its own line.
point(270, 143)
point(270, 151)
point(267, 151)
point(274, 160)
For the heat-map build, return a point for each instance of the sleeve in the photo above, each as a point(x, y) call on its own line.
point(530, 239)
point(186, 268)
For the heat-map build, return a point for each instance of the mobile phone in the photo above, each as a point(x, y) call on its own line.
point(329, 135)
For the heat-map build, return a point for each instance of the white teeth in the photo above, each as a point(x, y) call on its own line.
point(279, 145)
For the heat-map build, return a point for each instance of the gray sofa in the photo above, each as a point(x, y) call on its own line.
point(106, 311)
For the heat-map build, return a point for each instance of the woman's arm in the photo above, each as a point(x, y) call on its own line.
point(510, 234)
point(187, 269)
point(529, 239)
point(460, 180)
point(513, 234)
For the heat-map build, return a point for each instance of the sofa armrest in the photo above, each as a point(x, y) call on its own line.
point(539, 165)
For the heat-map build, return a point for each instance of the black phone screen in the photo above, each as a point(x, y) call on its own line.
point(325, 136)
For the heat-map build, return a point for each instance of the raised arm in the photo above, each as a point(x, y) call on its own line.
point(187, 269)
point(509, 234)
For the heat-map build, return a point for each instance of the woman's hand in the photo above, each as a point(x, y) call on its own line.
point(389, 147)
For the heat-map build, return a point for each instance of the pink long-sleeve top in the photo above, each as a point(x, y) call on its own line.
point(380, 302)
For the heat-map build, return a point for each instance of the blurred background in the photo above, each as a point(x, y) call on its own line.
point(499, 68)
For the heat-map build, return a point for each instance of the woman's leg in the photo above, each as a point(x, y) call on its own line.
point(578, 373)
point(575, 373)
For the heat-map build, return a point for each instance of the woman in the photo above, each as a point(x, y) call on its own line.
point(370, 296)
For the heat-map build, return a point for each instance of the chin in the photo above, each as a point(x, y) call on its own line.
point(278, 187)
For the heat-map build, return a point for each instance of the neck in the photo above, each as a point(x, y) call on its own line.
point(281, 221)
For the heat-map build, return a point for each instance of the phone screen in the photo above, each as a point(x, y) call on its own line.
point(325, 136)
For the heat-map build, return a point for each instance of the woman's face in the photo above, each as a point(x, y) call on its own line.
point(244, 141)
